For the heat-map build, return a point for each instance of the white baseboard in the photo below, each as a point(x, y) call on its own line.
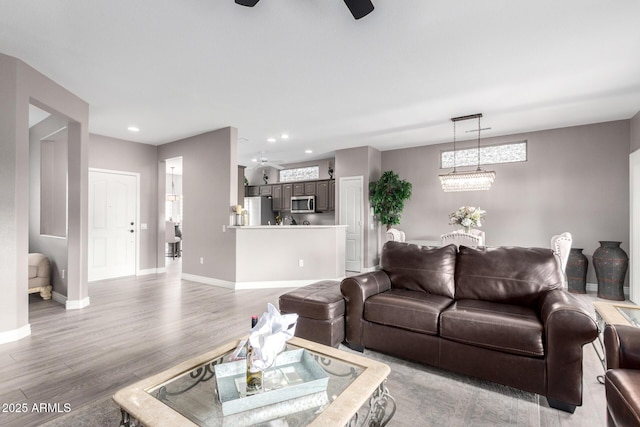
point(77, 304)
point(208, 281)
point(275, 284)
point(148, 271)
point(266, 284)
point(15, 334)
point(593, 287)
point(58, 297)
point(370, 269)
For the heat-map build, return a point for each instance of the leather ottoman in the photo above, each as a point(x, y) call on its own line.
point(320, 309)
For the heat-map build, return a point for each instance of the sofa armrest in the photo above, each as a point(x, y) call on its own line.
point(622, 347)
point(356, 290)
point(568, 325)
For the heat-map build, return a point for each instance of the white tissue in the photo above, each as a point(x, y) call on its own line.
point(270, 335)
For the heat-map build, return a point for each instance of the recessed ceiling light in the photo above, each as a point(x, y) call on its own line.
point(254, 160)
point(271, 140)
point(284, 136)
point(308, 151)
point(133, 129)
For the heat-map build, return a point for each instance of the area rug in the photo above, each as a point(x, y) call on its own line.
point(425, 396)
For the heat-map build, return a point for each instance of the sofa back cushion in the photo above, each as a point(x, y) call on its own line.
point(509, 275)
point(420, 268)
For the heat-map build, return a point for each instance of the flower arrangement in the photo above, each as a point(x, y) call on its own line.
point(467, 217)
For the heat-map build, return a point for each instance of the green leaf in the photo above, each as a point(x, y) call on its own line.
point(387, 196)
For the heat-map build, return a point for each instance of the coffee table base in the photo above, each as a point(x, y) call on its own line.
point(377, 414)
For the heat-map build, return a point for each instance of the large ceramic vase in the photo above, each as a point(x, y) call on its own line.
point(611, 264)
point(577, 271)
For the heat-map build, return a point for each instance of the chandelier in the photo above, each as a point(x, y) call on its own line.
point(173, 197)
point(466, 181)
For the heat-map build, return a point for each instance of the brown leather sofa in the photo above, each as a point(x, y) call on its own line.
point(493, 313)
point(622, 380)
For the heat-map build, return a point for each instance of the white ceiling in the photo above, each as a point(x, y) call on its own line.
point(392, 79)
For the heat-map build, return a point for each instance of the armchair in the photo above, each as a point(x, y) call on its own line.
point(622, 380)
point(40, 275)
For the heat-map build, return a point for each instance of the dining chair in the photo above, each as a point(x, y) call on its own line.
point(460, 238)
point(171, 238)
point(395, 235)
point(561, 246)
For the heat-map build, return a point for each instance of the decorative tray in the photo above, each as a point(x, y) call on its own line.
point(294, 374)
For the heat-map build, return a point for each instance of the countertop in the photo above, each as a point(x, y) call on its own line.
point(281, 227)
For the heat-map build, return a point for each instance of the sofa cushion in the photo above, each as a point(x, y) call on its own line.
point(509, 275)
point(623, 396)
point(415, 311)
point(420, 268)
point(502, 327)
point(33, 271)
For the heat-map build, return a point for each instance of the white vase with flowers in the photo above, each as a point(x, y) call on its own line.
point(468, 217)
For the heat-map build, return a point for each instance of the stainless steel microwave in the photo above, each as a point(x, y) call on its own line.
point(303, 204)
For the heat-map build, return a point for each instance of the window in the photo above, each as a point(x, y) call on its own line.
point(489, 155)
point(300, 174)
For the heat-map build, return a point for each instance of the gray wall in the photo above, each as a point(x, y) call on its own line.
point(635, 132)
point(19, 86)
point(210, 188)
point(576, 179)
point(53, 247)
point(120, 155)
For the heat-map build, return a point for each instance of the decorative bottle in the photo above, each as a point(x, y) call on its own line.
point(254, 375)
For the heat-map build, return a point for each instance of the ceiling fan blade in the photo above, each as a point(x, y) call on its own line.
point(248, 3)
point(359, 8)
point(274, 165)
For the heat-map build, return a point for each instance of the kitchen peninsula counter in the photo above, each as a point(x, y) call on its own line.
point(278, 227)
point(288, 255)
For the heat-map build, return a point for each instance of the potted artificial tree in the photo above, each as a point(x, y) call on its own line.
point(387, 196)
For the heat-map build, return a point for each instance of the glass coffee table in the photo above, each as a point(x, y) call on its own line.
point(187, 395)
point(608, 313)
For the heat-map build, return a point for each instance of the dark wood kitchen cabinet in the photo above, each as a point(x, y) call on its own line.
point(332, 195)
point(322, 196)
point(257, 190)
point(265, 190)
point(287, 192)
point(276, 197)
point(298, 188)
point(310, 188)
point(281, 193)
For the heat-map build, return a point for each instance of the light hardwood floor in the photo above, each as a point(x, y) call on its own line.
point(136, 327)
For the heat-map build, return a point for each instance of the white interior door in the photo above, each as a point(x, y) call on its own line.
point(113, 203)
point(351, 215)
point(634, 226)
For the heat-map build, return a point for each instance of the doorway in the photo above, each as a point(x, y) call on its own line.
point(113, 224)
point(634, 226)
point(174, 204)
point(48, 200)
point(351, 215)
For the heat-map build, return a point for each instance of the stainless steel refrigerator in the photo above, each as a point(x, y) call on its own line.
point(260, 211)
